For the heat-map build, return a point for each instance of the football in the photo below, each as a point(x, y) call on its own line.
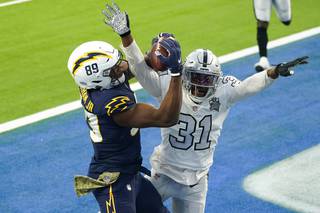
point(155, 62)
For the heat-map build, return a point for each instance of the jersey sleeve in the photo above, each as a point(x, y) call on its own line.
point(239, 90)
point(118, 104)
point(147, 77)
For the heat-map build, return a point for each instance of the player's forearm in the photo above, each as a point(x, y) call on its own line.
point(251, 86)
point(134, 56)
point(171, 104)
point(148, 78)
point(272, 73)
point(127, 40)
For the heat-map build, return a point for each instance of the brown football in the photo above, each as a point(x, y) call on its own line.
point(154, 60)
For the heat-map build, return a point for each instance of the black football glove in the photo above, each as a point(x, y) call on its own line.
point(173, 61)
point(285, 69)
point(118, 20)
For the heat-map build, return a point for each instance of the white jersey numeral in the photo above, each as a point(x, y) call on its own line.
point(205, 125)
point(185, 138)
point(93, 124)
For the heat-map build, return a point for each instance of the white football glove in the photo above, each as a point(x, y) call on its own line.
point(119, 21)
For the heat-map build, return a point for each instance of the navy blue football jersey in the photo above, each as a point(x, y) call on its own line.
point(116, 148)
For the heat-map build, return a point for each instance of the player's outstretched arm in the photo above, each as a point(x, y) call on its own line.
point(119, 22)
point(286, 68)
point(260, 81)
point(143, 115)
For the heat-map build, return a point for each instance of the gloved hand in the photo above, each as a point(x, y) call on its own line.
point(119, 21)
point(173, 60)
point(165, 35)
point(285, 69)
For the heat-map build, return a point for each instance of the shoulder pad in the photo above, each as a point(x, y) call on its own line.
point(231, 80)
point(118, 104)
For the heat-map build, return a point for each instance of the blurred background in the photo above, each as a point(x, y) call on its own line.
point(37, 37)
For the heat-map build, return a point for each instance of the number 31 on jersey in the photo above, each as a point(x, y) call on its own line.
point(186, 136)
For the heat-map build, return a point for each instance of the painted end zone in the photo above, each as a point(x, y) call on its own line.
point(293, 183)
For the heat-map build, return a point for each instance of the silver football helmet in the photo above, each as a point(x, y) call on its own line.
point(201, 75)
point(91, 64)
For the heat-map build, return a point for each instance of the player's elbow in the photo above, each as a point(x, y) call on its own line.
point(172, 122)
point(169, 120)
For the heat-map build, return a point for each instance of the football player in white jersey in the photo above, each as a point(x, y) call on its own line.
point(262, 10)
point(181, 162)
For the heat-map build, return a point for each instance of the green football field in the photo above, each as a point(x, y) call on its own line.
point(37, 37)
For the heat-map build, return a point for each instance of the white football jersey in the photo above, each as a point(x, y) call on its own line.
point(186, 151)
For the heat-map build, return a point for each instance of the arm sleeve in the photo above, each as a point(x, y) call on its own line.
point(249, 86)
point(147, 77)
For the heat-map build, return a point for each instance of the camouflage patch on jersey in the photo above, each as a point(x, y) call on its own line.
point(117, 104)
point(84, 184)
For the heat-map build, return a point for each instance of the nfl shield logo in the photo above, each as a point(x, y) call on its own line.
point(194, 108)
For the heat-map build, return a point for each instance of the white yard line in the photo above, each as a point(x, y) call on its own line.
point(4, 127)
point(47, 113)
point(4, 4)
point(275, 43)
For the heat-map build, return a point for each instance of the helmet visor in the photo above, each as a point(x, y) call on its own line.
point(202, 79)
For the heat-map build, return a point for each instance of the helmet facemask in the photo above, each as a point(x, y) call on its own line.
point(202, 75)
point(116, 72)
point(199, 85)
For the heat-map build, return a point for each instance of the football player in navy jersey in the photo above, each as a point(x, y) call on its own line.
point(114, 119)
